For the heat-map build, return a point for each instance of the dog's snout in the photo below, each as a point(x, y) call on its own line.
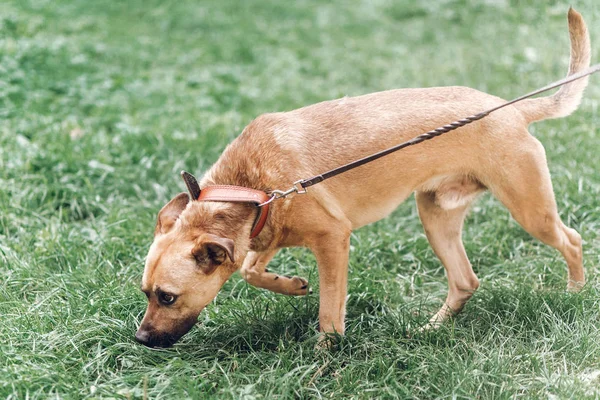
point(151, 338)
point(143, 337)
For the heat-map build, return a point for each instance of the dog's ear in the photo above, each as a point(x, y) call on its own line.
point(170, 212)
point(192, 185)
point(212, 251)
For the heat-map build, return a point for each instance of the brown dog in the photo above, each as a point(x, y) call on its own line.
point(198, 245)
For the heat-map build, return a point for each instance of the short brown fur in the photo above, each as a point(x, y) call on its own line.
point(496, 153)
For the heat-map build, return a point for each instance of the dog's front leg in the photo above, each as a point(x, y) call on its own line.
point(331, 252)
point(254, 271)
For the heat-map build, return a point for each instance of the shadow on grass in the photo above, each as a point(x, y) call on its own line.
point(279, 324)
point(256, 327)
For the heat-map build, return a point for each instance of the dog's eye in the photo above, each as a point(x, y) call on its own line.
point(167, 299)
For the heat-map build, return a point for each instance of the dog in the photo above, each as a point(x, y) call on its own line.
point(198, 245)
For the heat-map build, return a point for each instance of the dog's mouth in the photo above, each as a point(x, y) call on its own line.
point(150, 337)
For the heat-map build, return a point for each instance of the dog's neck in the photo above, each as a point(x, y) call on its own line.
point(252, 166)
point(251, 161)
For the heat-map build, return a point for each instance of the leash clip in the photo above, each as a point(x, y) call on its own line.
point(280, 194)
point(299, 188)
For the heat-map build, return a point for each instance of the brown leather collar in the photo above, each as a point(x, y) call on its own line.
point(239, 194)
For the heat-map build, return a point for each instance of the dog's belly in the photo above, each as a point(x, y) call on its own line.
point(373, 199)
point(376, 209)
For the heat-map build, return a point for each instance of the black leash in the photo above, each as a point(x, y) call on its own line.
point(301, 185)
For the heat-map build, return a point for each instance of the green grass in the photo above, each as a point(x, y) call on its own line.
point(102, 103)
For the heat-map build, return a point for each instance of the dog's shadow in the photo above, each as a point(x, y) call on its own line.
point(279, 323)
point(274, 323)
point(261, 324)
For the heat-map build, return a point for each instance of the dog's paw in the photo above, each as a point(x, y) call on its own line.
point(429, 327)
point(435, 322)
point(574, 286)
point(297, 286)
point(327, 342)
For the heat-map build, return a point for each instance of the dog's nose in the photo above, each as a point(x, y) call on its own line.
point(143, 337)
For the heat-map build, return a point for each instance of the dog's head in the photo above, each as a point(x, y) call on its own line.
point(197, 246)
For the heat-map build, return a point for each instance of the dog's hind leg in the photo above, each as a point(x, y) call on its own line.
point(526, 190)
point(254, 271)
point(443, 228)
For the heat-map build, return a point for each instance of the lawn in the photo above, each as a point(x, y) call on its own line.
point(102, 103)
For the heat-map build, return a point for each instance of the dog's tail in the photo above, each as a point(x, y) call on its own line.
point(567, 99)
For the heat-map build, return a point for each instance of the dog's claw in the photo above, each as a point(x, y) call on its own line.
point(299, 286)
